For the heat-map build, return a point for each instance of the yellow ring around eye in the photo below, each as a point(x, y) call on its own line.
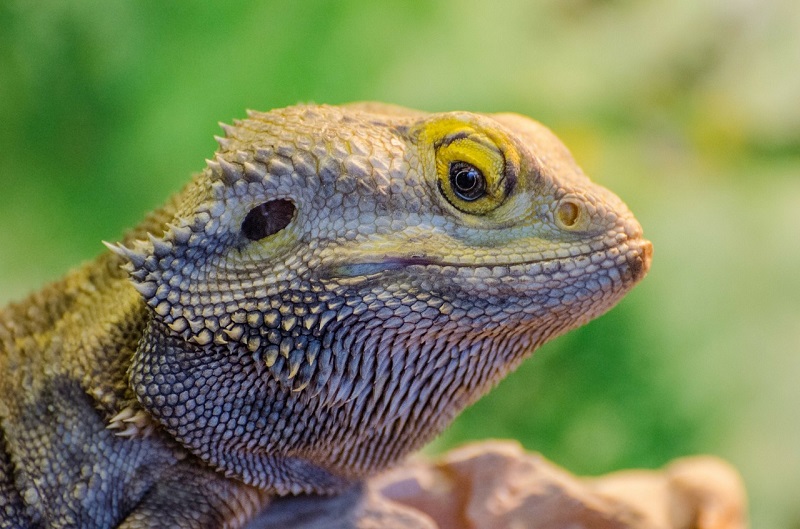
point(483, 156)
point(486, 159)
point(463, 150)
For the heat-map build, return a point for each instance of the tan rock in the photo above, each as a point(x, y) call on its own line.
point(696, 492)
point(497, 485)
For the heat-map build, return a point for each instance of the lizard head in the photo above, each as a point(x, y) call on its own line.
point(340, 282)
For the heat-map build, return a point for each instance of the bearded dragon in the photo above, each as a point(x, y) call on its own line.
point(317, 303)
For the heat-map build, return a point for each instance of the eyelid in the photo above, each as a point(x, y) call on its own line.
point(491, 140)
point(489, 161)
point(490, 150)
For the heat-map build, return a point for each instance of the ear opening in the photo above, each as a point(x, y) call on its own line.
point(268, 218)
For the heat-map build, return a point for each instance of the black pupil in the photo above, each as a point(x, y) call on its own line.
point(268, 218)
point(467, 181)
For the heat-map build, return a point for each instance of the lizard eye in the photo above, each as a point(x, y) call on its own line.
point(268, 218)
point(467, 181)
point(476, 168)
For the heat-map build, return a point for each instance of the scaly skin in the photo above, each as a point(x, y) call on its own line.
point(320, 301)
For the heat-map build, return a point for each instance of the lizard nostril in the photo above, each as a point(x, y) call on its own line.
point(568, 214)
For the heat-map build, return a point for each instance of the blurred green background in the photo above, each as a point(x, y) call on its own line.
point(689, 110)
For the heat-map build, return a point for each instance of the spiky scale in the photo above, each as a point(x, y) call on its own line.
point(116, 421)
point(288, 323)
point(224, 143)
point(309, 321)
point(254, 172)
point(163, 308)
point(272, 319)
point(300, 387)
point(254, 319)
point(294, 366)
point(253, 343)
point(228, 129)
point(178, 325)
point(325, 318)
point(235, 333)
point(215, 168)
point(204, 337)
point(130, 431)
point(135, 258)
point(140, 419)
point(180, 234)
point(231, 173)
point(196, 325)
point(271, 355)
point(147, 289)
point(161, 248)
point(286, 346)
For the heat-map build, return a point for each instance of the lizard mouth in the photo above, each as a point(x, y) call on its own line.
point(635, 254)
point(640, 266)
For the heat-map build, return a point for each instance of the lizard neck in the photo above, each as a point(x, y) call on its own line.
point(84, 327)
point(114, 317)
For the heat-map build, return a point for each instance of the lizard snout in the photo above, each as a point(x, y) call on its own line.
point(639, 260)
